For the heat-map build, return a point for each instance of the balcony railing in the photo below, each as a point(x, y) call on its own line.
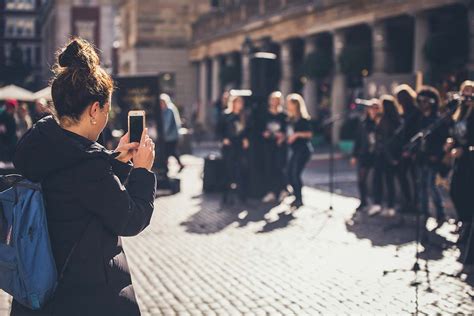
point(228, 18)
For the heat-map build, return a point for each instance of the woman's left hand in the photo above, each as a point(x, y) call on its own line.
point(126, 149)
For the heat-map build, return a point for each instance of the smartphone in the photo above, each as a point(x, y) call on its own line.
point(136, 124)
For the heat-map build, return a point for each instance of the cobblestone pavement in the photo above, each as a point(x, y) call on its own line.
point(199, 258)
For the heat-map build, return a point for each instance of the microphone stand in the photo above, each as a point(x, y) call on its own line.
point(329, 122)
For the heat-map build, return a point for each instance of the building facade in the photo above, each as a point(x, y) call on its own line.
point(93, 20)
point(155, 37)
point(389, 37)
point(20, 36)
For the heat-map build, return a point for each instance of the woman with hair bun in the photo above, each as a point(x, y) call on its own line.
point(92, 195)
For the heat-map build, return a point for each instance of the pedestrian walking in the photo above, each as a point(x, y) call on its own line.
point(171, 127)
point(93, 196)
point(299, 135)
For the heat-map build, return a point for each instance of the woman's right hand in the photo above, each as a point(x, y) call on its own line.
point(144, 156)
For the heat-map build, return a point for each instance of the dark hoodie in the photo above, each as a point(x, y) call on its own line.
point(88, 204)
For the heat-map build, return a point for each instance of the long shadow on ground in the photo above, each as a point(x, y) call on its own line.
point(214, 215)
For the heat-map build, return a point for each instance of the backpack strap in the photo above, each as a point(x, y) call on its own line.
point(61, 273)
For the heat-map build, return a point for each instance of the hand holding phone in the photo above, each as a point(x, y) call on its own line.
point(145, 155)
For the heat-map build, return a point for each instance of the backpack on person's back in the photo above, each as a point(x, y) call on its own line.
point(27, 267)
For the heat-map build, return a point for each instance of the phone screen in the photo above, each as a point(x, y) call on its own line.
point(136, 128)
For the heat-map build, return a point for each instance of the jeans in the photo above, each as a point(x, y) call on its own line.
point(297, 162)
point(427, 185)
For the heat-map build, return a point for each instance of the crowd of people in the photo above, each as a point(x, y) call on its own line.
point(415, 139)
point(15, 119)
point(286, 140)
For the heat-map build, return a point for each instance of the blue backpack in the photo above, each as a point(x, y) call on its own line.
point(27, 267)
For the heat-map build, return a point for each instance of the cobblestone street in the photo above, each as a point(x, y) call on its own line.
point(198, 258)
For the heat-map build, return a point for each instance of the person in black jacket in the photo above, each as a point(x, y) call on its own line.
point(461, 148)
point(92, 196)
point(235, 145)
point(363, 153)
point(406, 171)
point(8, 129)
point(299, 134)
point(386, 156)
point(274, 149)
point(430, 152)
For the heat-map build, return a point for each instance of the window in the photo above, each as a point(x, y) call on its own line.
point(20, 4)
point(19, 27)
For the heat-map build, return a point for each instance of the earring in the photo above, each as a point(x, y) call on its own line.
point(93, 122)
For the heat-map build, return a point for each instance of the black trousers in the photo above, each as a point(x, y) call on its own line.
point(461, 188)
point(406, 175)
point(298, 160)
point(364, 165)
point(384, 172)
point(170, 150)
point(274, 167)
point(236, 168)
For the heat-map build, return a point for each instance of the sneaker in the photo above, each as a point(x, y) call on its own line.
point(270, 197)
point(388, 212)
point(361, 207)
point(374, 210)
point(283, 195)
point(296, 204)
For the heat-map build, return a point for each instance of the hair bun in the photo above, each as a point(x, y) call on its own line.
point(78, 54)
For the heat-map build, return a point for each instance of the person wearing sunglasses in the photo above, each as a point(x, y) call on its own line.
point(461, 147)
point(430, 152)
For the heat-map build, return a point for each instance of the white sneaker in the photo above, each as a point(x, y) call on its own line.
point(270, 197)
point(374, 209)
point(283, 195)
point(388, 212)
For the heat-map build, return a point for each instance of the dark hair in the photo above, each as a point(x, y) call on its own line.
point(432, 93)
point(79, 80)
point(406, 96)
point(390, 110)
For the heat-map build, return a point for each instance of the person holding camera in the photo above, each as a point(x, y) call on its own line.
point(430, 152)
point(461, 149)
point(93, 196)
point(235, 145)
point(274, 149)
point(299, 134)
point(363, 152)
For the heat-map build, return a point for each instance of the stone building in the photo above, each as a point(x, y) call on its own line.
point(236, 30)
point(155, 36)
point(93, 20)
point(20, 32)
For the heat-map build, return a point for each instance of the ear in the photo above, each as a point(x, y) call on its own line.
point(94, 108)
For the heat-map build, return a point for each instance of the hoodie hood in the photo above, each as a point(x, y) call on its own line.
point(47, 148)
